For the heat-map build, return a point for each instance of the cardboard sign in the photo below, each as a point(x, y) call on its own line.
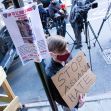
point(75, 78)
point(2, 75)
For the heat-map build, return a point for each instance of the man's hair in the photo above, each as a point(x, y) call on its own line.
point(56, 44)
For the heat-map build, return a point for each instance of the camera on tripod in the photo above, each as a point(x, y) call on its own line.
point(82, 9)
point(93, 5)
point(88, 6)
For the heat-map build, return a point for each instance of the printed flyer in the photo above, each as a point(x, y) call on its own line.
point(25, 28)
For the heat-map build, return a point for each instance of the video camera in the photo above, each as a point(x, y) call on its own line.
point(86, 7)
point(82, 9)
point(91, 5)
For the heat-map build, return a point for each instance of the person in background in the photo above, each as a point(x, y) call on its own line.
point(78, 16)
point(59, 54)
point(43, 15)
point(58, 15)
point(76, 21)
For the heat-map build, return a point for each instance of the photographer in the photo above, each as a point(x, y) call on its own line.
point(58, 14)
point(76, 21)
point(78, 15)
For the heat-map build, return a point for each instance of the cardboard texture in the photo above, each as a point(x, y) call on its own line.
point(2, 75)
point(75, 78)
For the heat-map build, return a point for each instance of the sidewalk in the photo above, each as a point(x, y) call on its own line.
point(93, 103)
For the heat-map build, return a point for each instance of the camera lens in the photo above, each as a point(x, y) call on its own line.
point(94, 5)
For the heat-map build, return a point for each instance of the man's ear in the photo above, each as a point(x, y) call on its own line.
point(51, 53)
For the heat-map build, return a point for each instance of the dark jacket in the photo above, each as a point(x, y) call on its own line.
point(53, 9)
point(78, 12)
point(51, 70)
point(75, 15)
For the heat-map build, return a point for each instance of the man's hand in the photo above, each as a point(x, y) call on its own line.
point(81, 100)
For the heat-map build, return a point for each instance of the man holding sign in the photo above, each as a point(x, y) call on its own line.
point(59, 53)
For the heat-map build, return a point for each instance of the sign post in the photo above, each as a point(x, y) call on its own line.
point(26, 48)
point(41, 71)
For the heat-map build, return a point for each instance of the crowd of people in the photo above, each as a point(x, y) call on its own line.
point(58, 14)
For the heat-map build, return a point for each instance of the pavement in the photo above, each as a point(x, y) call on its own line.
point(100, 102)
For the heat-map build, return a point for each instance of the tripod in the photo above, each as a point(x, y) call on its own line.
point(86, 25)
point(105, 18)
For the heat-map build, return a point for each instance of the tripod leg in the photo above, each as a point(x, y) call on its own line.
point(70, 36)
point(99, 31)
point(88, 42)
point(95, 36)
point(106, 17)
point(86, 31)
point(72, 40)
point(89, 48)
